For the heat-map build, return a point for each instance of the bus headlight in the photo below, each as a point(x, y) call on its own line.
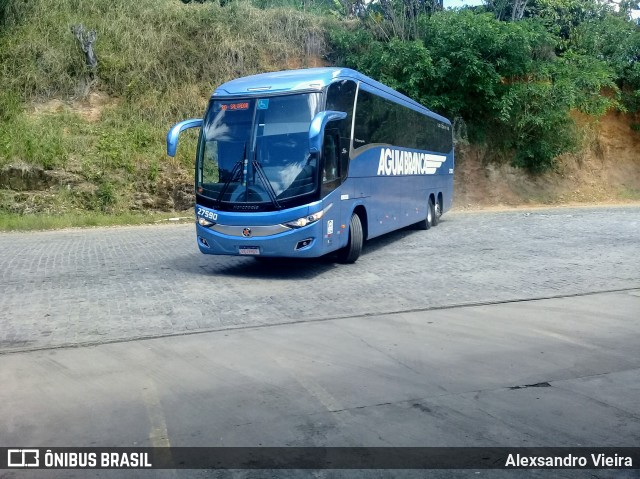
point(204, 222)
point(305, 220)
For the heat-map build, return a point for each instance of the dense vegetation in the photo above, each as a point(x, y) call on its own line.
point(513, 81)
point(510, 72)
point(158, 62)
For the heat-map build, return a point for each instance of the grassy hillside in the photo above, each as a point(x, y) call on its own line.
point(82, 143)
point(71, 140)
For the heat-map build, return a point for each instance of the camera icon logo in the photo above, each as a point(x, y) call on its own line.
point(23, 458)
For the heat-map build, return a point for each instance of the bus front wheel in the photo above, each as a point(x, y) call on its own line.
point(351, 252)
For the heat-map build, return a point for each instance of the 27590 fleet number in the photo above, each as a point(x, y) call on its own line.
point(210, 215)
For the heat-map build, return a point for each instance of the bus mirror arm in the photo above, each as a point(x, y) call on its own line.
point(174, 133)
point(318, 124)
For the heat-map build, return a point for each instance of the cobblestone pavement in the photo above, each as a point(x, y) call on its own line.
point(98, 285)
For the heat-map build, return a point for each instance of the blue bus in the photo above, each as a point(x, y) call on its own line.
point(302, 163)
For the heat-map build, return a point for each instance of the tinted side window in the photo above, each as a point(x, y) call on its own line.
point(379, 120)
point(434, 135)
point(366, 122)
point(340, 97)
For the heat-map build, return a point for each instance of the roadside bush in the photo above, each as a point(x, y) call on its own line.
point(38, 141)
point(616, 41)
point(535, 125)
point(502, 78)
point(106, 195)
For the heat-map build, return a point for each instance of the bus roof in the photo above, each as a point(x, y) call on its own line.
point(308, 79)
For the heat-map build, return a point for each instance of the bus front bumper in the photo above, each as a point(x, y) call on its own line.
point(305, 242)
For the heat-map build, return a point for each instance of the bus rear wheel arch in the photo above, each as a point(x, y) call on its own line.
point(350, 253)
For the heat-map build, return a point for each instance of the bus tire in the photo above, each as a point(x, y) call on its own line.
point(426, 223)
point(437, 213)
point(351, 252)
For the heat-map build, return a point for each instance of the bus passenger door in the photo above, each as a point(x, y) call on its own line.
point(330, 181)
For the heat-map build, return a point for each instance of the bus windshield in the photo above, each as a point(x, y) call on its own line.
point(256, 150)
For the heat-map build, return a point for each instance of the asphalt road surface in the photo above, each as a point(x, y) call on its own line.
point(100, 285)
point(493, 329)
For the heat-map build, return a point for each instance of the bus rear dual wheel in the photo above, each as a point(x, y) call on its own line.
point(433, 216)
point(437, 213)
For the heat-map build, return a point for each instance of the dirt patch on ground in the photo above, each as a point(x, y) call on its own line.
point(89, 108)
point(606, 171)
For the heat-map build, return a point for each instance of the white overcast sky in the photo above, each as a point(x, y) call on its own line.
point(461, 3)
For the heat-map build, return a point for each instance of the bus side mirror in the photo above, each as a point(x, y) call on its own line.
point(318, 124)
point(174, 133)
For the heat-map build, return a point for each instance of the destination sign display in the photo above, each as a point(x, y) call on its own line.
point(235, 106)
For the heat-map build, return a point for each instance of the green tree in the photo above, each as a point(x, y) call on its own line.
point(614, 39)
point(503, 78)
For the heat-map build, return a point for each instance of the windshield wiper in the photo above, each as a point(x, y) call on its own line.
point(232, 176)
point(267, 184)
point(234, 173)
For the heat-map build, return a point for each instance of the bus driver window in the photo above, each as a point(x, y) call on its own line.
point(330, 158)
